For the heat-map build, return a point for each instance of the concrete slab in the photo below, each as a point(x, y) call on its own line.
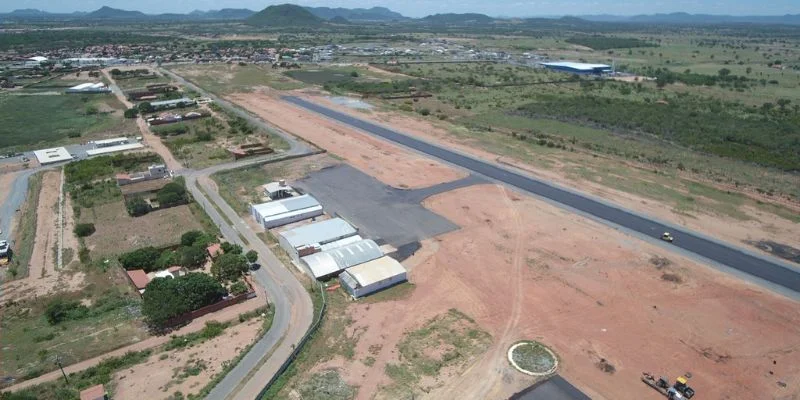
point(381, 212)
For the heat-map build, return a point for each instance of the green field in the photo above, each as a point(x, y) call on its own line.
point(48, 120)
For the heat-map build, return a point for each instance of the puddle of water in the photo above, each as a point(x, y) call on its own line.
point(351, 102)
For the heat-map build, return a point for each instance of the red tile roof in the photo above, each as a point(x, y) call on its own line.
point(97, 392)
point(139, 278)
point(215, 250)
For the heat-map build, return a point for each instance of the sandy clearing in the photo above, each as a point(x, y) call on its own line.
point(764, 226)
point(160, 375)
point(526, 270)
point(388, 163)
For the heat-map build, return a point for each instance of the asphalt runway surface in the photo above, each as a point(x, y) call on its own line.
point(380, 212)
point(555, 388)
point(746, 262)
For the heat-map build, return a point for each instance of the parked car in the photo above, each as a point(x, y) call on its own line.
point(255, 266)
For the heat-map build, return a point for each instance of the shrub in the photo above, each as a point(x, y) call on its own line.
point(144, 258)
point(192, 256)
point(83, 255)
point(424, 111)
point(238, 288)
point(137, 207)
point(189, 238)
point(60, 310)
point(84, 230)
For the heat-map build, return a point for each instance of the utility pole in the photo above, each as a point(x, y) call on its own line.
point(60, 366)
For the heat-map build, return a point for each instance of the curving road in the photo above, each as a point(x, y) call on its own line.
point(769, 272)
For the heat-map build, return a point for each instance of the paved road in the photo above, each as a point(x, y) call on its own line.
point(778, 275)
point(294, 310)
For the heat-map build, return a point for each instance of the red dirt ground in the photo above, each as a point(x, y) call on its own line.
point(387, 162)
point(526, 270)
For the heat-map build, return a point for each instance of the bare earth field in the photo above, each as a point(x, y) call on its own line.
point(760, 226)
point(184, 370)
point(43, 276)
point(527, 270)
point(118, 232)
point(387, 162)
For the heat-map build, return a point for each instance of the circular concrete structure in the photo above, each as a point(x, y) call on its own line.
point(519, 345)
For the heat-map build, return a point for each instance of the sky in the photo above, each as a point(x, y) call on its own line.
point(420, 8)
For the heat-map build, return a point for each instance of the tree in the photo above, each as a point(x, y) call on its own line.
point(144, 258)
point(138, 207)
point(146, 107)
point(166, 298)
point(83, 230)
point(131, 113)
point(748, 70)
point(251, 256)
point(231, 248)
point(238, 288)
point(724, 72)
point(167, 259)
point(189, 238)
point(782, 103)
point(171, 194)
point(229, 267)
point(192, 256)
point(60, 310)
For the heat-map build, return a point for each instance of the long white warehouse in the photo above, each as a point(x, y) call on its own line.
point(307, 239)
point(285, 211)
point(327, 263)
point(372, 276)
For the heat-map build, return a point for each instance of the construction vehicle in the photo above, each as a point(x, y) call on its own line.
point(679, 391)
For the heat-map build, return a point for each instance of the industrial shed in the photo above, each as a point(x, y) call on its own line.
point(54, 155)
point(340, 243)
point(282, 212)
point(578, 68)
point(373, 276)
point(307, 239)
point(89, 87)
point(327, 263)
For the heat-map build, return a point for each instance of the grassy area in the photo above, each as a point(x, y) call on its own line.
point(31, 340)
point(25, 231)
point(232, 78)
point(533, 357)
point(37, 121)
point(449, 341)
point(326, 385)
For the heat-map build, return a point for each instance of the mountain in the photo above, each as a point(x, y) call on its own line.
point(357, 14)
point(284, 15)
point(106, 12)
point(225, 13)
point(458, 19)
point(697, 19)
point(28, 12)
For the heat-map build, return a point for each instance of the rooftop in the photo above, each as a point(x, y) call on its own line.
point(318, 232)
point(576, 65)
point(171, 102)
point(113, 149)
point(56, 154)
point(97, 392)
point(331, 261)
point(138, 277)
point(115, 140)
point(376, 270)
point(274, 187)
point(277, 207)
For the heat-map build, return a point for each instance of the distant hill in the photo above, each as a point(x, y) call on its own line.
point(225, 13)
point(284, 15)
point(357, 14)
point(458, 19)
point(339, 20)
point(28, 12)
point(106, 12)
point(697, 19)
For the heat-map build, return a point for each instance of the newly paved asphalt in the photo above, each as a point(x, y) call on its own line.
point(380, 212)
point(555, 388)
point(774, 272)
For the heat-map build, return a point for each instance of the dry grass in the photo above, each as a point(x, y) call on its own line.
point(118, 232)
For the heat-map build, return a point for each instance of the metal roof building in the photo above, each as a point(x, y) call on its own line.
point(54, 155)
point(89, 87)
point(329, 262)
point(307, 239)
point(578, 68)
point(340, 243)
point(285, 211)
point(114, 149)
point(372, 276)
point(184, 101)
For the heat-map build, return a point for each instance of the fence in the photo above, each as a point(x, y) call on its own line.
point(299, 345)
